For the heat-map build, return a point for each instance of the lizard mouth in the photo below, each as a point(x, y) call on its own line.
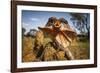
point(57, 25)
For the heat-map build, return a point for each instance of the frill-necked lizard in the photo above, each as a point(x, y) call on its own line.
point(61, 34)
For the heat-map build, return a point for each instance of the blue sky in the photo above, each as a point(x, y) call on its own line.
point(33, 19)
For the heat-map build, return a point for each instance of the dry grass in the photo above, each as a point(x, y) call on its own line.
point(80, 50)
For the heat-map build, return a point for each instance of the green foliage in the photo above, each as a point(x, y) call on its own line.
point(81, 22)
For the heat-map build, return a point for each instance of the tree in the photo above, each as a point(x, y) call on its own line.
point(81, 22)
point(32, 33)
point(23, 31)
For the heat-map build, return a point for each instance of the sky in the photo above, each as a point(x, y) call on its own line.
point(34, 19)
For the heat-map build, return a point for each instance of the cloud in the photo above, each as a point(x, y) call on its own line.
point(35, 19)
point(29, 26)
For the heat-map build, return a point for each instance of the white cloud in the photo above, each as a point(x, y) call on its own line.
point(29, 26)
point(35, 19)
